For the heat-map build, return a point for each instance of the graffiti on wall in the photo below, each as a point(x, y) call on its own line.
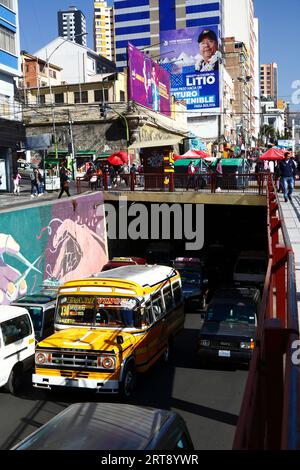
point(61, 242)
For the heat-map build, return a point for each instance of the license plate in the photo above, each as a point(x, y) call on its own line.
point(224, 353)
point(71, 382)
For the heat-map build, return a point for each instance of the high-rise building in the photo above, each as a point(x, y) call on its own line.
point(104, 40)
point(11, 128)
point(269, 81)
point(239, 22)
point(72, 25)
point(141, 21)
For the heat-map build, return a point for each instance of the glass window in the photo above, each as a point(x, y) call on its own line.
point(182, 443)
point(177, 293)
point(36, 315)
point(157, 307)
point(100, 95)
point(231, 313)
point(7, 40)
point(49, 318)
point(41, 99)
point(80, 97)
point(98, 311)
point(15, 329)
point(59, 98)
point(168, 298)
point(7, 3)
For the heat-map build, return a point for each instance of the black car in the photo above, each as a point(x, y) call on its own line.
point(229, 329)
point(110, 426)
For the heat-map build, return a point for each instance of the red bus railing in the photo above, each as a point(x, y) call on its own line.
point(269, 416)
point(207, 183)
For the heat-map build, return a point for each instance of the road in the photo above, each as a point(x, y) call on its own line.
point(208, 399)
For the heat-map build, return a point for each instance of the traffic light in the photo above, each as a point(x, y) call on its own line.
point(103, 110)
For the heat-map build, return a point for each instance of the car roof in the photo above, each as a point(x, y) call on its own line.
point(100, 426)
point(143, 275)
point(7, 312)
point(41, 297)
point(243, 293)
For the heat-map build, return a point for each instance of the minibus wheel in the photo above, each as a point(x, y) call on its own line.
point(15, 379)
point(128, 383)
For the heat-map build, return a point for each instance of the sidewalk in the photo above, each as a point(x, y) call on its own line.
point(9, 200)
point(291, 213)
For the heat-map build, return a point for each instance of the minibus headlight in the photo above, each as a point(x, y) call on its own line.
point(106, 362)
point(43, 358)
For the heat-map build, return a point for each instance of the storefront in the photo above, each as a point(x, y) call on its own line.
point(12, 134)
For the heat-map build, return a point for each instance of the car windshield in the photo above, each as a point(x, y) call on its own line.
point(190, 277)
point(239, 313)
point(251, 266)
point(97, 311)
point(36, 314)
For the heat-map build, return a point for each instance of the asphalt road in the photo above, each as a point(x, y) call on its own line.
point(208, 399)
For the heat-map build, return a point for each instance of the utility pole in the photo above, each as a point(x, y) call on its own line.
point(74, 164)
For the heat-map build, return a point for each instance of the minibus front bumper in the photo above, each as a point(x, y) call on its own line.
point(100, 386)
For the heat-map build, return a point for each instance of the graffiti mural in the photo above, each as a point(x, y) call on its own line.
point(59, 242)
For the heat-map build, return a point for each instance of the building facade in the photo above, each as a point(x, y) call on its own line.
point(269, 81)
point(141, 21)
point(79, 64)
point(104, 37)
point(11, 127)
point(37, 73)
point(72, 25)
point(240, 23)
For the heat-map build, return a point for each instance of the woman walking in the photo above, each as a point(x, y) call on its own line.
point(64, 182)
point(16, 179)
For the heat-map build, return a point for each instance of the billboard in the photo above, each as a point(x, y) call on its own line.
point(192, 58)
point(149, 84)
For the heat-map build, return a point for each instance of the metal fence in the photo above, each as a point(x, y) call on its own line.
point(246, 183)
point(270, 412)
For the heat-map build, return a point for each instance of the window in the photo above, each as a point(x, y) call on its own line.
point(157, 306)
point(177, 293)
point(59, 98)
point(168, 298)
point(49, 319)
point(99, 95)
point(16, 329)
point(7, 3)
point(81, 99)
point(52, 73)
point(182, 443)
point(41, 99)
point(122, 95)
point(7, 40)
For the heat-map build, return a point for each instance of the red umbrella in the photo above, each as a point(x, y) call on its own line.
point(273, 154)
point(202, 154)
point(123, 156)
point(192, 154)
point(115, 160)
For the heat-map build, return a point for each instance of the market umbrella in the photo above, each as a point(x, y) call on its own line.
point(273, 154)
point(115, 160)
point(191, 154)
point(122, 155)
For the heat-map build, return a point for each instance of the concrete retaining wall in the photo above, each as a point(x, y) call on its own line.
point(61, 240)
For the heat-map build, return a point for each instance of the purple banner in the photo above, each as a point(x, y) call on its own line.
point(149, 84)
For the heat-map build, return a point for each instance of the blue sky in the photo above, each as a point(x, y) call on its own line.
point(279, 31)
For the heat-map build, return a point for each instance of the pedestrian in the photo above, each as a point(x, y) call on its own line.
point(277, 178)
point(16, 180)
point(219, 175)
point(288, 171)
point(64, 182)
point(191, 171)
point(40, 179)
point(34, 183)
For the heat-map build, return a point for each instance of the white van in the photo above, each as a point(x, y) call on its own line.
point(17, 346)
point(250, 269)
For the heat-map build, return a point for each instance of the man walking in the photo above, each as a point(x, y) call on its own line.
point(191, 171)
point(288, 173)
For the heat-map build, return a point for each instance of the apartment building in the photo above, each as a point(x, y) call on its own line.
point(104, 38)
point(72, 25)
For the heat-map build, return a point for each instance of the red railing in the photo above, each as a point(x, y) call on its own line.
point(270, 414)
point(207, 183)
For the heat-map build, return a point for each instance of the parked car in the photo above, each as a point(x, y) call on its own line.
point(122, 261)
point(25, 169)
point(41, 307)
point(229, 329)
point(17, 346)
point(250, 268)
point(194, 285)
point(110, 426)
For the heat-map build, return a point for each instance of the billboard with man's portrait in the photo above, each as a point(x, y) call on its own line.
point(192, 57)
point(149, 84)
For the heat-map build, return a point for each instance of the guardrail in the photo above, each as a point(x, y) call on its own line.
point(270, 412)
point(207, 183)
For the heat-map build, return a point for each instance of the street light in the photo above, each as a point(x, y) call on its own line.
point(246, 80)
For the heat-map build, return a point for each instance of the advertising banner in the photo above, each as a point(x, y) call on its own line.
point(149, 84)
point(192, 58)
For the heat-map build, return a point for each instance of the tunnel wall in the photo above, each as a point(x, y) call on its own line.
point(64, 240)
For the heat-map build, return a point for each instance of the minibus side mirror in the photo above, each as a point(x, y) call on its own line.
point(120, 340)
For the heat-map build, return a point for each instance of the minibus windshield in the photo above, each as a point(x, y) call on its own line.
point(97, 311)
